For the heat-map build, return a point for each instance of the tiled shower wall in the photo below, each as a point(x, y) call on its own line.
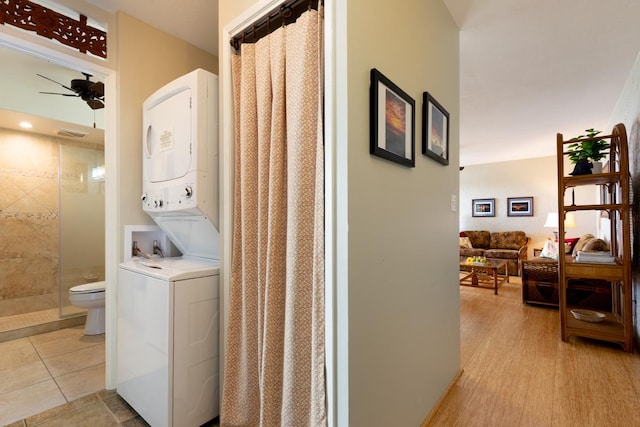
point(28, 222)
point(29, 218)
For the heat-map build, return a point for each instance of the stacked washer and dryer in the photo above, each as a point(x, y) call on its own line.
point(168, 308)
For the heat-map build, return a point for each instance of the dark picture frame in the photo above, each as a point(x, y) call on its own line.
point(392, 121)
point(520, 206)
point(435, 129)
point(483, 207)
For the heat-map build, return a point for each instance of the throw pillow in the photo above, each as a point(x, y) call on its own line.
point(581, 242)
point(550, 250)
point(570, 243)
point(463, 234)
point(595, 244)
point(465, 243)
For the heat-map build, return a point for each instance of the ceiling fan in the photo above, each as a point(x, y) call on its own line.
point(90, 92)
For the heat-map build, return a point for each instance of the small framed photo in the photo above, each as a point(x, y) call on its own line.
point(520, 206)
point(483, 207)
point(435, 129)
point(392, 121)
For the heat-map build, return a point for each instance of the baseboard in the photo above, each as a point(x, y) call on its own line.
point(438, 404)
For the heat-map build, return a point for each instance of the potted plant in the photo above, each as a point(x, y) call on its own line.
point(587, 148)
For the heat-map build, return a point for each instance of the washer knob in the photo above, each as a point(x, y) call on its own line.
point(189, 191)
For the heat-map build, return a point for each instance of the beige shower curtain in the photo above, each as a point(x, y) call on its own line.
point(274, 366)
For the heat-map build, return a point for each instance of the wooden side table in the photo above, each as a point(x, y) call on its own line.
point(540, 281)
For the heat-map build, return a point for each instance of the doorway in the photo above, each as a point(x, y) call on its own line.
point(45, 179)
point(50, 55)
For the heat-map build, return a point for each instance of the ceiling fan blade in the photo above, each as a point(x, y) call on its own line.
point(98, 89)
point(63, 94)
point(95, 104)
point(90, 92)
point(51, 80)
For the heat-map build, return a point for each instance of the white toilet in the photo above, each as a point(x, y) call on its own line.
point(91, 297)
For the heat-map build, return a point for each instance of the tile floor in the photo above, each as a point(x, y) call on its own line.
point(100, 409)
point(43, 371)
point(56, 378)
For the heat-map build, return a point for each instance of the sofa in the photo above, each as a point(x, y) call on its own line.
point(511, 246)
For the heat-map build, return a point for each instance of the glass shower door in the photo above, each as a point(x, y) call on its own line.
point(81, 215)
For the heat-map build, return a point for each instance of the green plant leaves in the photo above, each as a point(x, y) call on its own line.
point(593, 149)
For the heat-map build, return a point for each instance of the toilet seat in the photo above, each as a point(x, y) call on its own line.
point(88, 288)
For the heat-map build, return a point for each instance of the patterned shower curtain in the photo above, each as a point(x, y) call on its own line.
point(274, 366)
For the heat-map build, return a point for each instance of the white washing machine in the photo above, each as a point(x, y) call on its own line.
point(168, 326)
point(168, 308)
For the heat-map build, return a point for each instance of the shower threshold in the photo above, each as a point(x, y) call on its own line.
point(34, 323)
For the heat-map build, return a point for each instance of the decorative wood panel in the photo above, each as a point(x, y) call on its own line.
point(53, 25)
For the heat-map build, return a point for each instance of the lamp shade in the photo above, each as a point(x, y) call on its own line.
point(552, 220)
point(569, 220)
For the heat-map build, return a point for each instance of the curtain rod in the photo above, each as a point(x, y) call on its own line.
point(285, 14)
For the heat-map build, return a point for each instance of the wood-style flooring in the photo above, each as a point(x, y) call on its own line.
point(517, 371)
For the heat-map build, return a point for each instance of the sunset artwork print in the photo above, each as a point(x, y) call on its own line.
point(395, 122)
point(483, 207)
point(435, 130)
point(520, 206)
point(392, 121)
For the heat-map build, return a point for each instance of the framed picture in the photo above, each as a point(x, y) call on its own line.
point(435, 130)
point(392, 121)
point(520, 206)
point(483, 207)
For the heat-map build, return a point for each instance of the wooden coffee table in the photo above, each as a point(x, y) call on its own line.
point(484, 275)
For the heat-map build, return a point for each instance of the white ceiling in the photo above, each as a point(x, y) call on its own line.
point(21, 99)
point(528, 69)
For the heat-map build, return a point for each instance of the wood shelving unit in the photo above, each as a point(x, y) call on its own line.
point(615, 185)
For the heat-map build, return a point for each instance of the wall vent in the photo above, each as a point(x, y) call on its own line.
point(72, 133)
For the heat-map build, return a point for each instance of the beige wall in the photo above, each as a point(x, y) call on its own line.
point(148, 59)
point(403, 293)
point(228, 10)
point(535, 178)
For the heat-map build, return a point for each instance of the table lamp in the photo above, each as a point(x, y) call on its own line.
point(552, 222)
